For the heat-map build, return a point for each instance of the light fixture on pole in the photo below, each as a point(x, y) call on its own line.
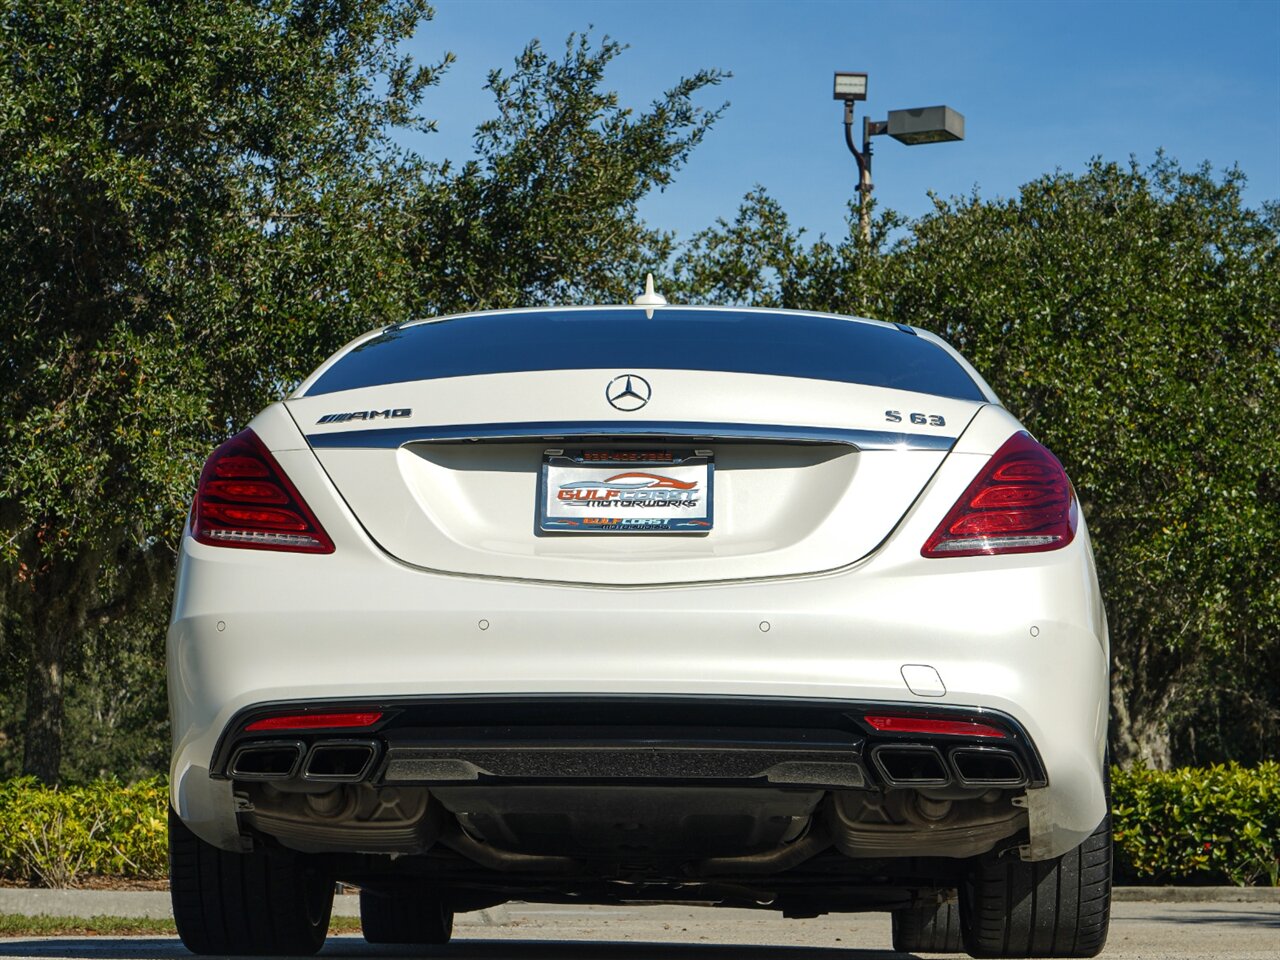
point(919, 125)
point(850, 87)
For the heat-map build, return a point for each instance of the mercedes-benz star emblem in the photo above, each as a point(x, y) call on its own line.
point(628, 392)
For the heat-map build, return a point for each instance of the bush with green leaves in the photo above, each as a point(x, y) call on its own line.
point(1203, 825)
point(58, 836)
point(1197, 825)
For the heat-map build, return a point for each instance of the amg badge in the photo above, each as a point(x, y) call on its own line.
point(365, 415)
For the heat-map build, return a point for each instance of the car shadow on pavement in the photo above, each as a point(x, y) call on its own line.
point(1253, 918)
point(98, 948)
point(612, 950)
point(162, 948)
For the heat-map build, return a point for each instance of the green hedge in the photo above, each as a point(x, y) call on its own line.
point(1198, 824)
point(56, 837)
point(1206, 825)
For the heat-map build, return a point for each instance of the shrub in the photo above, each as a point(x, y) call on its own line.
point(56, 836)
point(1205, 825)
point(1202, 825)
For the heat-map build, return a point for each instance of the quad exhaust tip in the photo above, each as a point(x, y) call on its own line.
point(331, 761)
point(923, 765)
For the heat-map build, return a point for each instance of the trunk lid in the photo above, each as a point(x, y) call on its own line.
point(446, 473)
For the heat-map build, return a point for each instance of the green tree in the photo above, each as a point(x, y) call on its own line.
point(760, 260)
point(1131, 318)
point(195, 202)
point(116, 710)
point(198, 203)
point(548, 212)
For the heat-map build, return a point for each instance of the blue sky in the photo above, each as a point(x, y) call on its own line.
point(1041, 85)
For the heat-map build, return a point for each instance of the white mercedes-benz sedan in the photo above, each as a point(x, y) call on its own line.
point(642, 603)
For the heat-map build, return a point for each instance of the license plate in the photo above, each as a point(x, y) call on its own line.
point(625, 491)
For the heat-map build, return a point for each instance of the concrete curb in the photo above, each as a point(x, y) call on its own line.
point(155, 903)
point(1196, 895)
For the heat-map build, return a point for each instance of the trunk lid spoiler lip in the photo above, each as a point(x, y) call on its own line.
point(394, 437)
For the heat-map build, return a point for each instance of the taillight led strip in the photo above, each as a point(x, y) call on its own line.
point(244, 499)
point(1020, 502)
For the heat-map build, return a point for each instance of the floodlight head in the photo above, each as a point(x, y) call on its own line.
point(925, 125)
point(849, 86)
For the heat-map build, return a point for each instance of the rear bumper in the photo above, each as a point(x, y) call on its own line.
point(1025, 640)
point(660, 740)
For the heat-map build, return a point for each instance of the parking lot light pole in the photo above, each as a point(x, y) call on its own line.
point(912, 127)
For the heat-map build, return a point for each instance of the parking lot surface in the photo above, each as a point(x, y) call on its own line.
point(1139, 931)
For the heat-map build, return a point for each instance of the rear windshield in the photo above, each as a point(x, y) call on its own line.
point(778, 344)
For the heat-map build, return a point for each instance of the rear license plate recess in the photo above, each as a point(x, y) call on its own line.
point(626, 491)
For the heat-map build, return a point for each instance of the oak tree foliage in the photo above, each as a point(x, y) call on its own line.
point(198, 203)
point(190, 204)
point(547, 213)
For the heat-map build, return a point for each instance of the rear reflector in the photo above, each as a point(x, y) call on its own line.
point(317, 721)
point(1021, 502)
point(245, 500)
point(932, 725)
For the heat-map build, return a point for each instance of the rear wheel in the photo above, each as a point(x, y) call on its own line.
point(1053, 908)
point(404, 918)
point(927, 928)
point(269, 902)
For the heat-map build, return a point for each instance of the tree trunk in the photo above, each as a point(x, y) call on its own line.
point(58, 597)
point(42, 745)
point(1139, 718)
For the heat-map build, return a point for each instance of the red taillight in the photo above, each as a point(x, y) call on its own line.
point(245, 500)
point(952, 728)
point(1021, 502)
point(316, 721)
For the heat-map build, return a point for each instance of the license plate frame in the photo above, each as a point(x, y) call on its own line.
point(647, 486)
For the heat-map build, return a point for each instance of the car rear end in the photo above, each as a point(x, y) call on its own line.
point(647, 604)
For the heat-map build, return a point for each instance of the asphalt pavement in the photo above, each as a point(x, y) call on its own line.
point(1140, 930)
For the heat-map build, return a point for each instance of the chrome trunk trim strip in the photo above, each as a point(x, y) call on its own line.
point(393, 437)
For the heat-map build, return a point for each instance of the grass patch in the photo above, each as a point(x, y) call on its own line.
point(16, 925)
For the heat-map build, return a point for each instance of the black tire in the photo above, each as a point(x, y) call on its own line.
point(928, 928)
point(270, 902)
point(1053, 908)
point(404, 918)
